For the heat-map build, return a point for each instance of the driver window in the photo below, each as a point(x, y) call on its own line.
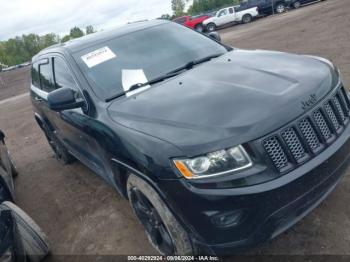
point(222, 12)
point(62, 76)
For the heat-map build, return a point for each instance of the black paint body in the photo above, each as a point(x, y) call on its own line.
point(239, 98)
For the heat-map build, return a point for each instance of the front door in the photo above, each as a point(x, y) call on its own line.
point(72, 126)
point(224, 17)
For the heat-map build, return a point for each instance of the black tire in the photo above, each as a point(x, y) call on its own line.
point(211, 27)
point(163, 230)
point(199, 28)
point(280, 8)
point(247, 18)
point(35, 241)
point(61, 153)
point(296, 5)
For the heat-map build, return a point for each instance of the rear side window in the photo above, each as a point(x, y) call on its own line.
point(62, 76)
point(230, 10)
point(35, 75)
point(46, 80)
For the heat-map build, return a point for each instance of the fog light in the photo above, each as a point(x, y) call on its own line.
point(228, 219)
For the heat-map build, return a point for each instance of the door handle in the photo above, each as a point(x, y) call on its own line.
point(38, 99)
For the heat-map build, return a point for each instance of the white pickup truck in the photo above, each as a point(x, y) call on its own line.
point(233, 14)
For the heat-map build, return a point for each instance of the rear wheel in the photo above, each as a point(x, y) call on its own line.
point(296, 5)
point(280, 8)
point(247, 19)
point(61, 153)
point(162, 229)
point(211, 27)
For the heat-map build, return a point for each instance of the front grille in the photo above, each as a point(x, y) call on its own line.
point(304, 139)
point(331, 115)
point(308, 131)
point(294, 144)
point(275, 151)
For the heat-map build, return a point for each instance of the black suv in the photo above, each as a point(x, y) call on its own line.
point(216, 148)
point(268, 7)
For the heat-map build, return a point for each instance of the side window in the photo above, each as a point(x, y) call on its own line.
point(35, 75)
point(46, 81)
point(222, 12)
point(62, 76)
point(230, 10)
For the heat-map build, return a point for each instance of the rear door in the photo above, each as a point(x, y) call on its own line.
point(265, 6)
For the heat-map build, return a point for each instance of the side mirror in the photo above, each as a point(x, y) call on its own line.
point(63, 99)
point(215, 36)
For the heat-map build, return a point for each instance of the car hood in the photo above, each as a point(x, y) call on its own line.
point(236, 98)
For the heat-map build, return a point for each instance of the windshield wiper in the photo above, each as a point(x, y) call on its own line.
point(170, 74)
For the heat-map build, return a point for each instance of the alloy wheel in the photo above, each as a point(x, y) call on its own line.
point(280, 8)
point(152, 222)
point(296, 5)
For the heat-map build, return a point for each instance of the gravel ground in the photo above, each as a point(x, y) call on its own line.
point(83, 215)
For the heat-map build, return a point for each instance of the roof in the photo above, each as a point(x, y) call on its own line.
point(78, 44)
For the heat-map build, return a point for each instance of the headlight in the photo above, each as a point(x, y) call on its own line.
point(214, 164)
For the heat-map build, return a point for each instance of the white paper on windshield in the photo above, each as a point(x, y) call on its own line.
point(132, 77)
point(98, 56)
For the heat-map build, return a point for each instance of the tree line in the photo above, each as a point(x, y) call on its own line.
point(21, 49)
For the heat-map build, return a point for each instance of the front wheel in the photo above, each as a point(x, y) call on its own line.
point(280, 8)
point(163, 230)
point(199, 28)
point(247, 19)
point(211, 27)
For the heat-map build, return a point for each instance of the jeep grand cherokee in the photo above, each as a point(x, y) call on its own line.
point(216, 148)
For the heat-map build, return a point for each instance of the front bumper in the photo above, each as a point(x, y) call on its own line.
point(267, 209)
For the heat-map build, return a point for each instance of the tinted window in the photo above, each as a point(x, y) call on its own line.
point(46, 82)
point(62, 76)
point(35, 75)
point(155, 51)
point(230, 10)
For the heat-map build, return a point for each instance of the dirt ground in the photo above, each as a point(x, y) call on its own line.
point(83, 215)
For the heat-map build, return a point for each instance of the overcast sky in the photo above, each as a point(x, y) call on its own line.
point(19, 17)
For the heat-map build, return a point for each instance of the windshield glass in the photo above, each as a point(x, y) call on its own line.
point(155, 51)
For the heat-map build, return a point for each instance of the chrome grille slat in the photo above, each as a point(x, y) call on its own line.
point(309, 135)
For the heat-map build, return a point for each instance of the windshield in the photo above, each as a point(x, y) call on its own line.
point(154, 52)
